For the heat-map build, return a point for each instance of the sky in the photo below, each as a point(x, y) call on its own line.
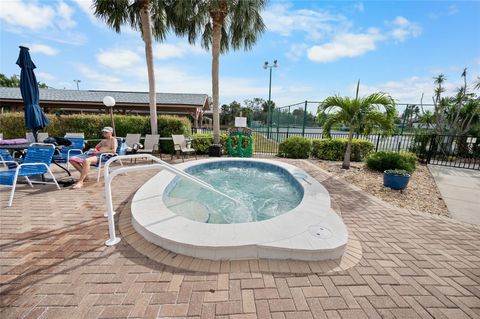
point(322, 47)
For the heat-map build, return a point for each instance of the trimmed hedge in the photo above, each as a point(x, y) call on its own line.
point(381, 161)
point(334, 149)
point(12, 125)
point(295, 147)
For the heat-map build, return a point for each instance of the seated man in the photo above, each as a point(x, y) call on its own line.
point(82, 162)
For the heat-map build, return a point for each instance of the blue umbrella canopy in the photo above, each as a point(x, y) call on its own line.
point(35, 119)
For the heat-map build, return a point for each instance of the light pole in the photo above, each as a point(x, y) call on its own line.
point(266, 66)
point(77, 81)
point(109, 102)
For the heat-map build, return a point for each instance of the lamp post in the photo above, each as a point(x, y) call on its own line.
point(109, 102)
point(266, 66)
point(77, 81)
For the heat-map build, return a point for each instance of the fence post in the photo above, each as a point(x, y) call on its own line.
point(288, 120)
point(430, 148)
point(304, 118)
point(378, 141)
point(278, 123)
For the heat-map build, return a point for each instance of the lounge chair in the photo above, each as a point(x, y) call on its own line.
point(31, 138)
point(76, 135)
point(106, 156)
point(132, 139)
point(180, 145)
point(8, 160)
point(36, 162)
point(150, 144)
point(76, 148)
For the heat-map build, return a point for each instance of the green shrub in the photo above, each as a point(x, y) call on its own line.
point(334, 149)
point(381, 161)
point(397, 172)
point(295, 147)
point(12, 125)
point(420, 145)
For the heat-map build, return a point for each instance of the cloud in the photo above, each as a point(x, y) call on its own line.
point(452, 9)
point(296, 51)
point(42, 49)
point(359, 7)
point(100, 79)
point(44, 76)
point(282, 19)
point(65, 13)
point(118, 58)
point(408, 90)
point(403, 29)
point(33, 16)
point(164, 51)
point(87, 7)
point(346, 45)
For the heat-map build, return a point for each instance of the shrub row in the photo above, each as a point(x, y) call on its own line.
point(326, 149)
point(334, 149)
point(381, 161)
point(12, 125)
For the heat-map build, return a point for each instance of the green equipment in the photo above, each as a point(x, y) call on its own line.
point(238, 135)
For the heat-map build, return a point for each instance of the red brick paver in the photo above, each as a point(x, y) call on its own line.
point(54, 264)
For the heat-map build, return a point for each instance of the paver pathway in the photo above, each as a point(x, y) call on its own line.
point(53, 264)
point(460, 189)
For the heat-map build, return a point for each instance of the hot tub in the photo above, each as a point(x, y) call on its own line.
point(282, 212)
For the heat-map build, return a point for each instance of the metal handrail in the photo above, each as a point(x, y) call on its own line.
point(108, 176)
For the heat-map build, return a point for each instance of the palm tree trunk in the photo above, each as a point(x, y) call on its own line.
point(147, 38)
point(217, 38)
point(348, 151)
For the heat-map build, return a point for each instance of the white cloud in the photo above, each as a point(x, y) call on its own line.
point(65, 13)
point(282, 19)
point(42, 49)
point(452, 9)
point(359, 7)
point(403, 29)
point(16, 13)
point(296, 51)
point(118, 58)
point(164, 51)
point(408, 90)
point(87, 7)
point(346, 45)
point(44, 76)
point(99, 78)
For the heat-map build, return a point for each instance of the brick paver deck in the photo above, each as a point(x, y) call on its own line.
point(53, 264)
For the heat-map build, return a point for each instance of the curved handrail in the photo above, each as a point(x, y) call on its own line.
point(113, 240)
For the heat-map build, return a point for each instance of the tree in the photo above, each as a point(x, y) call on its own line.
point(221, 25)
point(457, 114)
point(14, 81)
point(361, 115)
point(151, 19)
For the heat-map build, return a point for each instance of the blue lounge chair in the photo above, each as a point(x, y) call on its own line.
point(78, 143)
point(36, 162)
point(106, 156)
point(8, 160)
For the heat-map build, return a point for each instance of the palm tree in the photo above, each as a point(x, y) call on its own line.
point(361, 115)
point(148, 17)
point(220, 24)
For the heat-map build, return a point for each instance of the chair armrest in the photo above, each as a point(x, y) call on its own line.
point(30, 164)
point(156, 146)
point(75, 150)
point(2, 161)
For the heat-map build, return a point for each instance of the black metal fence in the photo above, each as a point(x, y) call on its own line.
point(445, 150)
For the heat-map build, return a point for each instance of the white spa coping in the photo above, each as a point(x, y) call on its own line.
point(287, 236)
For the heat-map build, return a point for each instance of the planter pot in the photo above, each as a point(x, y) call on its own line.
point(395, 181)
point(215, 150)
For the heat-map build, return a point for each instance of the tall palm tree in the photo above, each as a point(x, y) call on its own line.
point(361, 115)
point(150, 18)
point(220, 25)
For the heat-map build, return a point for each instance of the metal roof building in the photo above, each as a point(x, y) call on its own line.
point(79, 101)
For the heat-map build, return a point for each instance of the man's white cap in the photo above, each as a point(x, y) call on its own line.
point(107, 129)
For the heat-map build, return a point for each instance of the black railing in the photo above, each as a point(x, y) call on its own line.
point(446, 150)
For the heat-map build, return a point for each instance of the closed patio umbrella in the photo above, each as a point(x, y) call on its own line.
point(35, 119)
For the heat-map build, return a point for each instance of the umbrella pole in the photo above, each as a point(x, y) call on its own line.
point(35, 135)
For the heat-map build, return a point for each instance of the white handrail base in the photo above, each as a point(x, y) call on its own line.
point(112, 242)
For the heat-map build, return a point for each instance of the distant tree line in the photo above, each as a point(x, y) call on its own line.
point(14, 81)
